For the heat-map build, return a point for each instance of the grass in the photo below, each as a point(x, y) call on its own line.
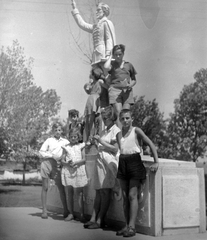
point(16, 195)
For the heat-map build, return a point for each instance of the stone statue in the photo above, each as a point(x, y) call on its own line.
point(103, 32)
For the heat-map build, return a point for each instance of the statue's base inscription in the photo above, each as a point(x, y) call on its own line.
point(180, 201)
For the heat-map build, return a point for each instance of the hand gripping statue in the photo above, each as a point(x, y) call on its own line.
point(103, 32)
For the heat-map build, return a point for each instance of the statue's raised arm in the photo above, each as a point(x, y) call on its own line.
point(73, 3)
point(103, 31)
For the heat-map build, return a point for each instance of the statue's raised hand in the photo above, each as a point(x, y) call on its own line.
point(73, 3)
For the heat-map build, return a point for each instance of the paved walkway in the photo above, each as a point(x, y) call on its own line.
point(26, 224)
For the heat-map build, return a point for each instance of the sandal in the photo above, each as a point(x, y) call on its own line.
point(94, 226)
point(121, 232)
point(87, 224)
point(44, 215)
point(130, 232)
point(69, 217)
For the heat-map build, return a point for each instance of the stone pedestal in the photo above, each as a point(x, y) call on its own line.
point(171, 201)
point(176, 199)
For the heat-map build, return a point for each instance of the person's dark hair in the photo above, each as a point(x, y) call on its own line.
point(56, 125)
point(123, 111)
point(73, 112)
point(75, 131)
point(117, 47)
point(98, 73)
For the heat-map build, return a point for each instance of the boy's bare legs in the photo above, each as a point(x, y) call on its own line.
point(130, 202)
point(98, 124)
point(133, 201)
point(105, 202)
point(44, 197)
point(96, 209)
point(99, 211)
point(117, 108)
point(79, 193)
point(62, 196)
point(70, 193)
point(125, 192)
point(89, 125)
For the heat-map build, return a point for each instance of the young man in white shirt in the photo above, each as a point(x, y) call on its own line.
point(52, 153)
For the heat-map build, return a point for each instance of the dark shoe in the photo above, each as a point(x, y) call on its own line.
point(44, 215)
point(103, 225)
point(87, 224)
point(121, 232)
point(65, 215)
point(83, 220)
point(94, 226)
point(130, 232)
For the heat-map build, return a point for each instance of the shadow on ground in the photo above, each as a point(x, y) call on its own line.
point(7, 183)
point(8, 191)
point(52, 215)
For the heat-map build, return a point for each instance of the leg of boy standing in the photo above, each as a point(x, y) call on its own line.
point(44, 197)
point(51, 153)
point(62, 193)
point(125, 193)
point(45, 169)
point(49, 170)
point(133, 201)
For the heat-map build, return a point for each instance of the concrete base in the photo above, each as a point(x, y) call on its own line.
point(171, 201)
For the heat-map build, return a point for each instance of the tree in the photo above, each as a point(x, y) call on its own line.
point(25, 110)
point(187, 128)
point(15, 76)
point(3, 143)
point(148, 117)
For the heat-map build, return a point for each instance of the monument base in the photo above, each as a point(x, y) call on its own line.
point(171, 201)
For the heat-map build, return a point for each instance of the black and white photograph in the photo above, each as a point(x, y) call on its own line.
point(103, 119)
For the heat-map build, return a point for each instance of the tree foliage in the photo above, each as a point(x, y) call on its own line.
point(187, 128)
point(25, 109)
point(148, 117)
point(3, 142)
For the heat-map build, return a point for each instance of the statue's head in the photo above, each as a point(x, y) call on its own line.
point(102, 10)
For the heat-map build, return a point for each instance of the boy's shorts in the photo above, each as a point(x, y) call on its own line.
point(50, 169)
point(131, 167)
point(117, 95)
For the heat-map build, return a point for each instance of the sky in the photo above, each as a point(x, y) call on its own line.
point(166, 41)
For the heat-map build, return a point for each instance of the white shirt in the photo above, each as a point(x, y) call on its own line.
point(52, 148)
point(129, 144)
